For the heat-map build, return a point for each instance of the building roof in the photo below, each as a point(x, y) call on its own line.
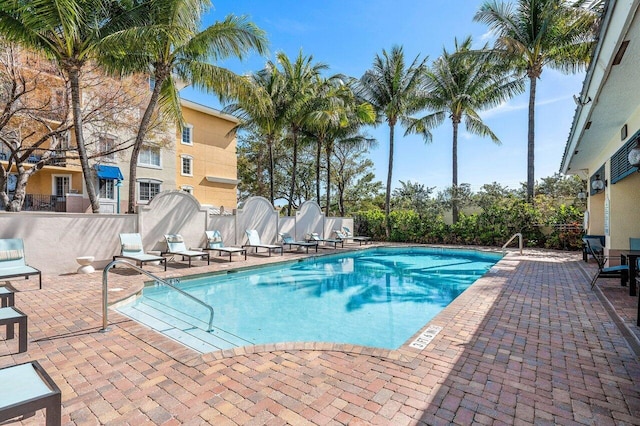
point(208, 110)
point(609, 94)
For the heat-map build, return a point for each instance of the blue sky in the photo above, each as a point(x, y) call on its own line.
point(347, 34)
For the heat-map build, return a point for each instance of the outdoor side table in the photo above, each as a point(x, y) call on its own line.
point(7, 298)
point(85, 264)
point(11, 316)
point(27, 388)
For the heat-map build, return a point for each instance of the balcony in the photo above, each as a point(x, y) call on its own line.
point(41, 203)
point(58, 158)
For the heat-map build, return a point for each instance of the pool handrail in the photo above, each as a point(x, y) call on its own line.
point(514, 236)
point(105, 284)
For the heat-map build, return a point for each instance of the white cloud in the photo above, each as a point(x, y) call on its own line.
point(487, 36)
point(507, 107)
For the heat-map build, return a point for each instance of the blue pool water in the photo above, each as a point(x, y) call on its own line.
point(378, 297)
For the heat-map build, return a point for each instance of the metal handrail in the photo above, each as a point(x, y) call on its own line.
point(129, 265)
point(519, 235)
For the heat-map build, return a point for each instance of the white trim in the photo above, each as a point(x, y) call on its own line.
point(190, 127)
point(53, 183)
point(149, 181)
point(208, 110)
point(149, 165)
point(228, 181)
point(186, 157)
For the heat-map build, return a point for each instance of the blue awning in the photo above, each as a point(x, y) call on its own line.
point(109, 172)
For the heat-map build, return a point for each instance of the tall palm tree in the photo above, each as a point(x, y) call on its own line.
point(264, 113)
point(395, 92)
point(171, 46)
point(461, 84)
point(534, 34)
point(326, 113)
point(301, 81)
point(69, 33)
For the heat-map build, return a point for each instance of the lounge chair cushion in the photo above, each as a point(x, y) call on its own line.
point(11, 254)
point(131, 247)
point(175, 239)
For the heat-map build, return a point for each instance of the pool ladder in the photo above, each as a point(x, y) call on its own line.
point(105, 284)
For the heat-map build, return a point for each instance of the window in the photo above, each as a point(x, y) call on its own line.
point(187, 134)
point(106, 188)
point(61, 143)
point(61, 185)
point(188, 189)
point(106, 145)
point(186, 168)
point(149, 156)
point(147, 189)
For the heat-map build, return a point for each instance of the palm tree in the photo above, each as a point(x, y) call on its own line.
point(326, 113)
point(534, 34)
point(301, 81)
point(264, 113)
point(171, 45)
point(69, 33)
point(460, 84)
point(395, 92)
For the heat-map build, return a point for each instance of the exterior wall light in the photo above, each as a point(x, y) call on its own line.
point(634, 155)
point(598, 184)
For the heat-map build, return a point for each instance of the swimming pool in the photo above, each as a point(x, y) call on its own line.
point(376, 297)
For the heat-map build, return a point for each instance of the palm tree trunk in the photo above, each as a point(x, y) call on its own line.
point(318, 159)
point(387, 199)
point(270, 147)
point(294, 135)
point(328, 154)
point(74, 81)
point(137, 145)
point(531, 139)
point(454, 168)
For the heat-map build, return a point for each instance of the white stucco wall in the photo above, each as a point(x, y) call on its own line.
point(53, 240)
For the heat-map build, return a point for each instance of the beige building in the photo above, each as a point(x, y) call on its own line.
point(606, 130)
point(201, 159)
point(207, 164)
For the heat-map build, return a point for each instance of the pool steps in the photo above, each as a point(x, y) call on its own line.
point(190, 333)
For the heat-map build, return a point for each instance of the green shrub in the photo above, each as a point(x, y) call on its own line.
point(493, 226)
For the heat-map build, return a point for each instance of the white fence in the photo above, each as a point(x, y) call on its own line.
point(54, 240)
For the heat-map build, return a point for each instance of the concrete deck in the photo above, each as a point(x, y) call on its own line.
point(529, 343)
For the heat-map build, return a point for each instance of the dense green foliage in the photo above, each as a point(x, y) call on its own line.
point(553, 221)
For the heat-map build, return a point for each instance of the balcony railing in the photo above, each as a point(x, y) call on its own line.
point(58, 158)
point(41, 203)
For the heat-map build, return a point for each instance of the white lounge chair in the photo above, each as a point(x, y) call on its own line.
point(214, 243)
point(176, 247)
point(131, 249)
point(315, 237)
point(287, 240)
point(359, 238)
point(254, 241)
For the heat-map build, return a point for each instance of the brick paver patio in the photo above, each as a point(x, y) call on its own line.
point(529, 343)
